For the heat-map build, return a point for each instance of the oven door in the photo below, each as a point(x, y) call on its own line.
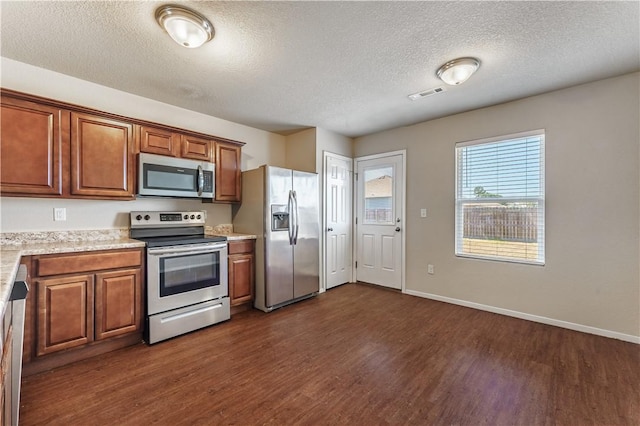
point(179, 276)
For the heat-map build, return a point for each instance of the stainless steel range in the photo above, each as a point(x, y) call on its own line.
point(186, 283)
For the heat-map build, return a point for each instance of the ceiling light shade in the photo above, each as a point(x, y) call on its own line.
point(186, 27)
point(458, 71)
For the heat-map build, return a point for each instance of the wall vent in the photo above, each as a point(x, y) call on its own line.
point(426, 93)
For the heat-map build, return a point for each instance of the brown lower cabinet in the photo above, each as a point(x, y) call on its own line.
point(83, 304)
point(65, 312)
point(241, 271)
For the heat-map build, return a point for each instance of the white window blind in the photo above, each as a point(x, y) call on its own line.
point(500, 198)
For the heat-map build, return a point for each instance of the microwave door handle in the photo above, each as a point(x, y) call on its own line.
point(200, 180)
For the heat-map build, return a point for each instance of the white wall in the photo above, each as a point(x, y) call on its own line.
point(19, 214)
point(591, 277)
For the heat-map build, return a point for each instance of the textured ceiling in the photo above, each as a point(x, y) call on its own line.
point(342, 66)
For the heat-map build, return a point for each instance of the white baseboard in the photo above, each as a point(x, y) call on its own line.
point(529, 317)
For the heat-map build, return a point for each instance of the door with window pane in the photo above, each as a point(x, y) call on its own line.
point(379, 227)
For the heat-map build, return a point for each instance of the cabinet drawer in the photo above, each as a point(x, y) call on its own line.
point(242, 246)
point(86, 262)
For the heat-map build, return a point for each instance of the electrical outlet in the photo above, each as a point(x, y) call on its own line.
point(423, 212)
point(59, 213)
point(430, 269)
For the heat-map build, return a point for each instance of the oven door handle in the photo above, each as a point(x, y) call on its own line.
point(186, 249)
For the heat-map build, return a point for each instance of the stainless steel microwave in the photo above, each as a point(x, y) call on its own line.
point(175, 177)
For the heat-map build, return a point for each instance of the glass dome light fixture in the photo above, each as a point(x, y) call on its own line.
point(186, 27)
point(458, 70)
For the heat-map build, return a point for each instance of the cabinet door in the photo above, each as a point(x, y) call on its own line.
point(228, 184)
point(118, 303)
point(159, 141)
point(101, 157)
point(65, 313)
point(196, 148)
point(31, 143)
point(241, 272)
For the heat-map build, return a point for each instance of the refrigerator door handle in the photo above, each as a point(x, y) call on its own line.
point(295, 224)
point(290, 209)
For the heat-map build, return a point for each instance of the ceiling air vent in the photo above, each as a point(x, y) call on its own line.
point(426, 93)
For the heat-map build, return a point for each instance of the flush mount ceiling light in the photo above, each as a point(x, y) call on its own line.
point(458, 71)
point(185, 26)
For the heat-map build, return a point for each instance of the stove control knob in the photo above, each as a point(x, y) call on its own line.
point(198, 217)
point(139, 217)
point(147, 217)
point(186, 216)
point(193, 216)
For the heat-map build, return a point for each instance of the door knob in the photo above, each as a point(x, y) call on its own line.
point(398, 229)
point(329, 229)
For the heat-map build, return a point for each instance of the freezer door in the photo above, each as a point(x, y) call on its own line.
point(306, 269)
point(278, 250)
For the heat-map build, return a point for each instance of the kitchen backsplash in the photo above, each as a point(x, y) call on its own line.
point(18, 238)
point(37, 214)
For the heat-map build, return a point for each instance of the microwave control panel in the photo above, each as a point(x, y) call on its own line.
point(208, 181)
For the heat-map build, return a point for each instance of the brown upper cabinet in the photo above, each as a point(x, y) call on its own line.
point(196, 148)
point(49, 151)
point(158, 141)
point(101, 156)
point(54, 149)
point(228, 173)
point(32, 143)
point(165, 142)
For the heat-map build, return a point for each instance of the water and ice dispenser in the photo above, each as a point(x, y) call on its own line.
point(279, 217)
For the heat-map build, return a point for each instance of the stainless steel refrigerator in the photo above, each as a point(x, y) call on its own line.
point(280, 206)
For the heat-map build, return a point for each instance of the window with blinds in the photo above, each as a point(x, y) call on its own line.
point(500, 198)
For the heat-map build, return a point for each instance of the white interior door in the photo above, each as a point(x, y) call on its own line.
point(338, 174)
point(380, 219)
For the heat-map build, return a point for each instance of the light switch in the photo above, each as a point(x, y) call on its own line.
point(423, 212)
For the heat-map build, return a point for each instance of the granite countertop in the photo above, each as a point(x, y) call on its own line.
point(226, 230)
point(233, 236)
point(15, 245)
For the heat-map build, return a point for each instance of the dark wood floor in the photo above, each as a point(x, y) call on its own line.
point(354, 355)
